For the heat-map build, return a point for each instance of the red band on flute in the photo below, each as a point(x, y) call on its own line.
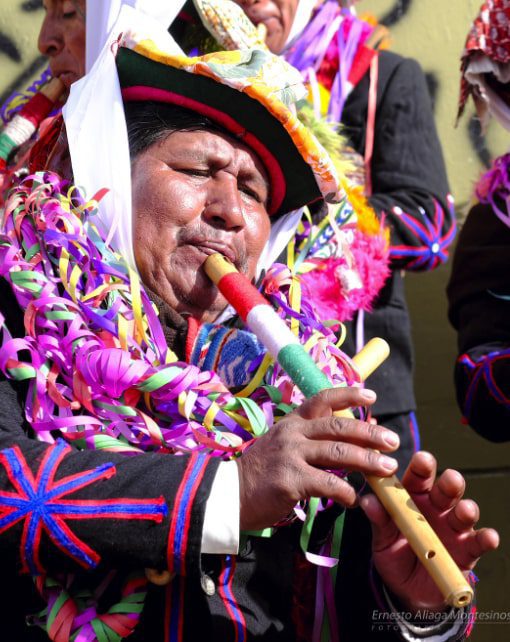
point(240, 293)
point(37, 108)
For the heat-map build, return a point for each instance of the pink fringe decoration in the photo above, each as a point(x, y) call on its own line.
point(337, 290)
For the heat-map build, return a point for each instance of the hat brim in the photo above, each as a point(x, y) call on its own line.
point(293, 183)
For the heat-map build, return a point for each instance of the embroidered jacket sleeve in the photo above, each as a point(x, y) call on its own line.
point(478, 294)
point(409, 182)
point(64, 509)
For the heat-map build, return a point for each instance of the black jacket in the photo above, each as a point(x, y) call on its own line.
point(410, 189)
point(479, 309)
point(251, 596)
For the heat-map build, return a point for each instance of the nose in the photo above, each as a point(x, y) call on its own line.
point(50, 39)
point(224, 207)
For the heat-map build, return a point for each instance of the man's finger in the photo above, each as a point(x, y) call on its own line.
point(339, 455)
point(481, 542)
point(384, 531)
point(447, 490)
point(464, 516)
point(327, 401)
point(421, 473)
point(320, 483)
point(351, 431)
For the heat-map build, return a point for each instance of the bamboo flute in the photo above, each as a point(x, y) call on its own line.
point(283, 345)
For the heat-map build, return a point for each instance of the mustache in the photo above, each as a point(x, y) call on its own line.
point(204, 235)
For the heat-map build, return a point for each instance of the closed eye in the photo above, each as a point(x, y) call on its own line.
point(251, 193)
point(193, 171)
point(70, 10)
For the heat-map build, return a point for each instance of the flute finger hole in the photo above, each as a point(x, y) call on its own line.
point(430, 554)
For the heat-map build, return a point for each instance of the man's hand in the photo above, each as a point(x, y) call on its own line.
point(452, 518)
point(291, 461)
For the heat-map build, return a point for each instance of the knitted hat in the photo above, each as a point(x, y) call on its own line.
point(251, 95)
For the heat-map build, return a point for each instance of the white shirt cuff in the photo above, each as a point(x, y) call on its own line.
point(220, 534)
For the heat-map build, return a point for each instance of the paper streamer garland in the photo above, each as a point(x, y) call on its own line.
point(332, 54)
point(493, 188)
point(100, 373)
point(72, 610)
point(120, 378)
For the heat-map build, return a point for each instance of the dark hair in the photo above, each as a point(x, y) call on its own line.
point(149, 122)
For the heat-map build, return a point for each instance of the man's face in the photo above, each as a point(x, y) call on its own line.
point(276, 15)
point(196, 193)
point(62, 38)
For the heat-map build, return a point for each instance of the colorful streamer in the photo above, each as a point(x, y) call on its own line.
point(102, 377)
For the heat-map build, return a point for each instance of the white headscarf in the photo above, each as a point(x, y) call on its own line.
point(94, 112)
point(285, 228)
point(96, 126)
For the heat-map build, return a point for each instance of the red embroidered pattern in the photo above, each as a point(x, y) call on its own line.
point(39, 502)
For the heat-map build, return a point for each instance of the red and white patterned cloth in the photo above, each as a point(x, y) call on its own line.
point(488, 45)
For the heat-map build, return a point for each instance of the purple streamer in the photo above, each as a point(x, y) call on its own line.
point(494, 186)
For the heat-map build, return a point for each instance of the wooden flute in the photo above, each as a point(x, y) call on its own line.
point(283, 345)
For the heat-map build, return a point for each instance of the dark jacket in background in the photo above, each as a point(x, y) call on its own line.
point(410, 188)
point(479, 309)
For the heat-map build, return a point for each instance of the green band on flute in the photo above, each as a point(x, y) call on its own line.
point(303, 370)
point(7, 145)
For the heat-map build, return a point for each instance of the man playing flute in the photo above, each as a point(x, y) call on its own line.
point(122, 445)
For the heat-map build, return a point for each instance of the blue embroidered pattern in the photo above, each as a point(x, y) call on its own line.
point(434, 244)
point(39, 501)
point(232, 353)
point(481, 373)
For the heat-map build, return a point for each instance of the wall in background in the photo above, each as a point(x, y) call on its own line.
point(433, 32)
point(20, 60)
